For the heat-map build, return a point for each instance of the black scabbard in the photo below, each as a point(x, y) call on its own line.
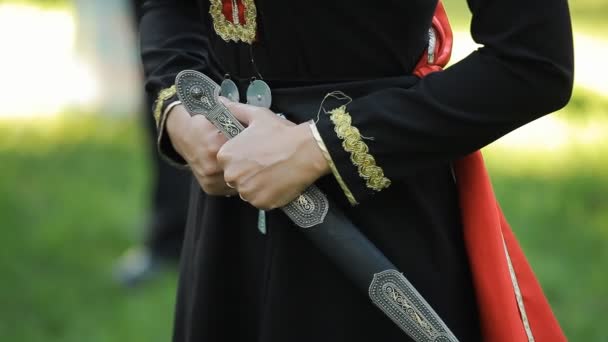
point(332, 232)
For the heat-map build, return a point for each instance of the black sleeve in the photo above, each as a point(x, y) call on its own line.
point(523, 70)
point(173, 37)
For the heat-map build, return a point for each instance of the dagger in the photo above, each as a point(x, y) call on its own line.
point(330, 230)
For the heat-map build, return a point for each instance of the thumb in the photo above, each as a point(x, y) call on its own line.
point(241, 111)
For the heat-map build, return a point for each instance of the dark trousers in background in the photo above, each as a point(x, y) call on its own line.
point(169, 202)
point(170, 189)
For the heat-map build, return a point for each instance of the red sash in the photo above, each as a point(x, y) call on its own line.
point(512, 305)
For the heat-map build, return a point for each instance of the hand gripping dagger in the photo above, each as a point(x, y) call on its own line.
point(330, 230)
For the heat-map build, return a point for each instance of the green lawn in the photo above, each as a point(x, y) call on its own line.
point(558, 208)
point(72, 195)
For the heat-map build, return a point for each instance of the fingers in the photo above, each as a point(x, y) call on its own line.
point(222, 157)
point(178, 116)
point(215, 186)
point(250, 192)
point(244, 113)
point(205, 128)
point(203, 145)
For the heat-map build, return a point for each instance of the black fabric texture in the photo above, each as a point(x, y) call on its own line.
point(237, 284)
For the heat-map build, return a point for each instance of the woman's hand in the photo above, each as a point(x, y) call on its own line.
point(273, 160)
point(198, 142)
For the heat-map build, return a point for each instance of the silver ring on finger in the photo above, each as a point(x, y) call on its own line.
point(241, 196)
point(229, 185)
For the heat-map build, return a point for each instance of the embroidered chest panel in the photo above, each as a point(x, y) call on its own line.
point(234, 20)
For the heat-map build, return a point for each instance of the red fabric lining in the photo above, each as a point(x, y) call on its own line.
point(485, 229)
point(241, 6)
point(227, 11)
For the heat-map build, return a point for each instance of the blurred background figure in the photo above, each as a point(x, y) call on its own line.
point(164, 229)
point(77, 179)
point(107, 36)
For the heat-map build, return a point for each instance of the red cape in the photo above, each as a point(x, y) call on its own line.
point(512, 305)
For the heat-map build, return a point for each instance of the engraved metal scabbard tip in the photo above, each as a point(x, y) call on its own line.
point(403, 304)
point(309, 209)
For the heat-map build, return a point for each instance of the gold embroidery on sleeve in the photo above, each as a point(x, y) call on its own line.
point(349, 195)
point(163, 96)
point(159, 140)
point(353, 143)
point(160, 116)
point(234, 31)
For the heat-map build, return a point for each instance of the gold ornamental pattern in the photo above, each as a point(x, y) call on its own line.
point(353, 143)
point(234, 31)
point(163, 96)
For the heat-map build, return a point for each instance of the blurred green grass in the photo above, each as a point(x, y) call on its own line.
point(588, 16)
point(72, 195)
point(557, 204)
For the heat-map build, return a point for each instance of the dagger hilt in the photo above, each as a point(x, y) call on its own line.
point(200, 95)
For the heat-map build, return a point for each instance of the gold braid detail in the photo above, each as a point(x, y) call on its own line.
point(163, 96)
point(358, 149)
point(228, 30)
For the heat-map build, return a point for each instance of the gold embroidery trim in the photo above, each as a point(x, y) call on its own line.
point(161, 134)
point(163, 96)
point(353, 143)
point(228, 30)
point(160, 117)
point(349, 195)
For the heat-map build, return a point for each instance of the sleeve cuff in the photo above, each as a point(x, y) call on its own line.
point(164, 96)
point(334, 170)
point(167, 100)
point(351, 154)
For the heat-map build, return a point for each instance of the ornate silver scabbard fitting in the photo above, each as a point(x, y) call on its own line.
point(404, 305)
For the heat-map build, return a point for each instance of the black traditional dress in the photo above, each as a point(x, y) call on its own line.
point(393, 174)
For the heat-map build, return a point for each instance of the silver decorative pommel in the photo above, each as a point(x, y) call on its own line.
point(200, 95)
